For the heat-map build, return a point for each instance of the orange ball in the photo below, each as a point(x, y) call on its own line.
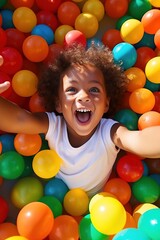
point(8, 229)
point(148, 119)
point(141, 100)
point(137, 78)
point(35, 221)
point(27, 144)
point(119, 188)
point(35, 48)
point(130, 222)
point(150, 21)
point(22, 3)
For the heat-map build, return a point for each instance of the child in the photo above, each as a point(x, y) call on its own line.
point(78, 89)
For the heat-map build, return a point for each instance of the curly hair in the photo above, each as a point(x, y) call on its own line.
point(99, 56)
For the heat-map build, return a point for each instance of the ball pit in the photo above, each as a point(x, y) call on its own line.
point(34, 205)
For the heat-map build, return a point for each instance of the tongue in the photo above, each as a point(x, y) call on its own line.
point(83, 117)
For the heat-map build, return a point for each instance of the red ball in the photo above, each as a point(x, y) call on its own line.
point(130, 168)
point(48, 5)
point(74, 36)
point(4, 209)
point(48, 18)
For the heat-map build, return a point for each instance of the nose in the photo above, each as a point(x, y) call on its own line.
point(83, 96)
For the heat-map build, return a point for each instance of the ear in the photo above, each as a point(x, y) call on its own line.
point(58, 106)
point(107, 106)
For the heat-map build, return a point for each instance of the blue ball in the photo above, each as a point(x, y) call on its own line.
point(45, 32)
point(7, 141)
point(125, 55)
point(131, 234)
point(57, 188)
point(7, 19)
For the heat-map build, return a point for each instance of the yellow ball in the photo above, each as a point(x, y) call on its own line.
point(24, 19)
point(60, 33)
point(152, 70)
point(46, 163)
point(132, 31)
point(24, 83)
point(94, 7)
point(108, 215)
point(76, 202)
point(87, 24)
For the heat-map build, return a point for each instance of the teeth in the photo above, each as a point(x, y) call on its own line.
point(83, 110)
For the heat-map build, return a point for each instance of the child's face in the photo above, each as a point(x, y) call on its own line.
point(82, 98)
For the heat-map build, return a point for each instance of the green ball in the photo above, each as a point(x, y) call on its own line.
point(146, 190)
point(128, 118)
point(11, 165)
point(137, 8)
point(88, 232)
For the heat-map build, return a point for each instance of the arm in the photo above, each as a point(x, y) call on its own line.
point(145, 143)
point(17, 120)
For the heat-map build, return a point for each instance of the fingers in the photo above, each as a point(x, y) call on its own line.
point(4, 86)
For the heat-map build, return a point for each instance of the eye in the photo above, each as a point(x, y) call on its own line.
point(95, 90)
point(71, 89)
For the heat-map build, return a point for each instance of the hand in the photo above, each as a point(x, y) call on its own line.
point(4, 86)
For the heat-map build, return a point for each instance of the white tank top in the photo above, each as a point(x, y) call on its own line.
point(87, 167)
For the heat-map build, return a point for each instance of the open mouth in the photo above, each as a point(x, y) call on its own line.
point(83, 115)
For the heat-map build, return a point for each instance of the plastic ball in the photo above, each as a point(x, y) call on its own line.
point(152, 70)
point(88, 231)
point(0, 147)
point(137, 78)
point(108, 216)
point(94, 7)
point(54, 51)
point(149, 223)
point(8, 229)
point(119, 188)
point(15, 38)
point(111, 38)
point(56, 187)
point(131, 234)
point(27, 144)
point(24, 83)
point(76, 202)
point(140, 209)
point(49, 5)
point(128, 118)
point(7, 141)
point(17, 238)
point(125, 55)
point(115, 8)
point(35, 48)
point(148, 119)
point(146, 190)
point(87, 24)
point(12, 60)
point(129, 168)
point(141, 100)
point(26, 190)
point(157, 39)
point(22, 3)
point(7, 19)
point(53, 203)
point(132, 31)
point(138, 8)
point(74, 36)
point(3, 37)
point(36, 103)
point(35, 221)
point(46, 163)
point(24, 19)
point(11, 165)
point(4, 210)
point(144, 54)
point(130, 222)
point(157, 101)
point(68, 12)
point(121, 20)
point(48, 18)
point(150, 21)
point(153, 87)
point(44, 31)
point(155, 3)
point(65, 227)
point(60, 33)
